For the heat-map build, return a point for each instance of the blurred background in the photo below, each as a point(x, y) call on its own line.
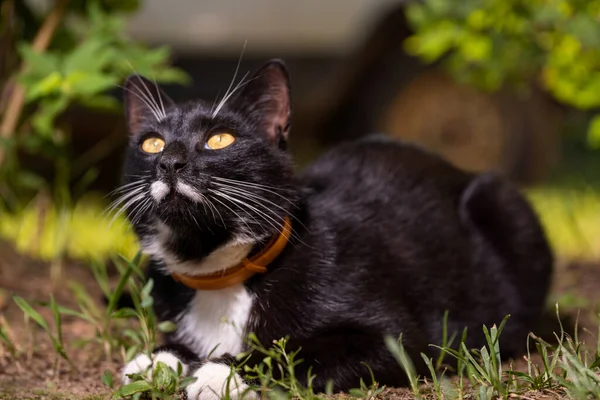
point(505, 85)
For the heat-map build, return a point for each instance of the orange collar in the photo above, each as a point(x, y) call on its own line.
point(244, 270)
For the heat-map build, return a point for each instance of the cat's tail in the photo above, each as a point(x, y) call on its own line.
point(505, 220)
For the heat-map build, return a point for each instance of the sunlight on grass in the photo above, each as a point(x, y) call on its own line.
point(84, 233)
point(571, 218)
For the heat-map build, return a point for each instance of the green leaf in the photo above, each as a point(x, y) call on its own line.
point(187, 381)
point(30, 180)
point(584, 27)
point(167, 327)
point(431, 44)
point(398, 351)
point(89, 56)
point(48, 111)
point(40, 64)
point(126, 312)
point(45, 87)
point(147, 289)
point(107, 379)
point(81, 83)
point(131, 352)
point(132, 388)
point(133, 335)
point(163, 379)
point(57, 319)
point(30, 312)
point(118, 292)
point(593, 135)
point(476, 47)
point(147, 302)
point(101, 102)
point(77, 314)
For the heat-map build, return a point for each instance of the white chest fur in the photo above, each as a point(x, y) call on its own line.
point(216, 319)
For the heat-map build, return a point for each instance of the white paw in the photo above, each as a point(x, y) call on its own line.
point(141, 363)
point(212, 381)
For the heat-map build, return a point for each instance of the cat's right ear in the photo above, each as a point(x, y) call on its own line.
point(144, 101)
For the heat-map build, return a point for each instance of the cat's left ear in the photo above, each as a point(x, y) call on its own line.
point(144, 101)
point(266, 99)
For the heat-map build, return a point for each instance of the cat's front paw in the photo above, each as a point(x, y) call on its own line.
point(141, 365)
point(215, 381)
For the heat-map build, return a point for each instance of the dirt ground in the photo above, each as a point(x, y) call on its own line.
point(33, 376)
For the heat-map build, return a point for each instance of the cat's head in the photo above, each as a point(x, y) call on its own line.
point(203, 175)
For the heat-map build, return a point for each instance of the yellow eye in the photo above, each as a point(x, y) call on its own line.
point(220, 141)
point(153, 145)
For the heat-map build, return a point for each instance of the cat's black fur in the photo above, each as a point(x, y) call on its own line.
point(387, 236)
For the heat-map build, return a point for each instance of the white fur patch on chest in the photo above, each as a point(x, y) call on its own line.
point(216, 319)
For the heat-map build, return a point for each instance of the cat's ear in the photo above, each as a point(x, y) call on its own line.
point(266, 99)
point(144, 101)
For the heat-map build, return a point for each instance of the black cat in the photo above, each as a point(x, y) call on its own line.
point(375, 238)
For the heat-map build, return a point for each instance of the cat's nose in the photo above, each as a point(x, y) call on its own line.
point(172, 161)
point(172, 165)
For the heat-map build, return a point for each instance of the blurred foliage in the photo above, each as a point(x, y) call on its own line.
point(492, 43)
point(56, 79)
point(88, 57)
point(81, 233)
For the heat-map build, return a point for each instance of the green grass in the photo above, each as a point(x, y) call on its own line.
point(571, 367)
point(84, 233)
point(571, 218)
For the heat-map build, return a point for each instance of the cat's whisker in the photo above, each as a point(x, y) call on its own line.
point(244, 182)
point(224, 100)
point(209, 202)
point(144, 174)
point(214, 103)
point(255, 186)
point(225, 96)
point(125, 197)
point(267, 218)
point(207, 205)
point(148, 207)
point(136, 212)
point(152, 99)
point(271, 220)
point(144, 100)
point(162, 104)
point(233, 211)
point(259, 200)
point(127, 205)
point(128, 186)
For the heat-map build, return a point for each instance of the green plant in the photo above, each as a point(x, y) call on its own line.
point(6, 340)
point(56, 338)
point(108, 333)
point(490, 43)
point(484, 366)
point(570, 366)
point(162, 382)
point(276, 373)
point(366, 391)
point(397, 349)
point(76, 53)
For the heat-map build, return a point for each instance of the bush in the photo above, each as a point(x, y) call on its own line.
point(492, 43)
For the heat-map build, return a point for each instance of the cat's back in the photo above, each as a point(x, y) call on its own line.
point(381, 172)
